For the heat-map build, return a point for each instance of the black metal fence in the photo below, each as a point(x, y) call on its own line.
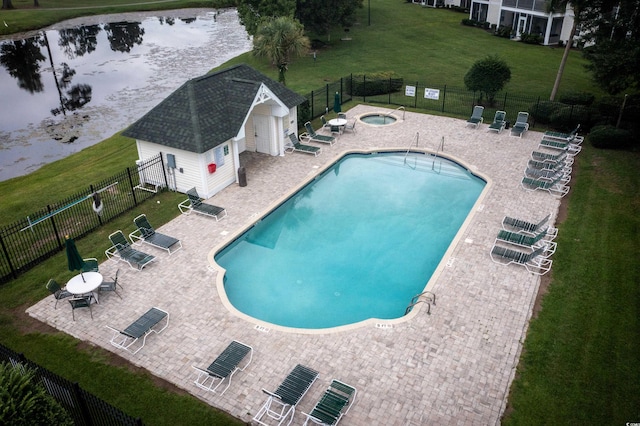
point(84, 407)
point(41, 235)
point(454, 101)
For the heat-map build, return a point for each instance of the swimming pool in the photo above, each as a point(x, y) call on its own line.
point(358, 242)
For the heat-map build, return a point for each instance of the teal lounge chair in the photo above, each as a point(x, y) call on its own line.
point(563, 137)
point(527, 241)
point(521, 125)
point(476, 116)
point(570, 148)
point(529, 228)
point(312, 136)
point(122, 250)
point(194, 204)
point(554, 158)
point(499, 122)
point(555, 187)
point(295, 145)
point(533, 261)
point(280, 404)
point(550, 174)
point(547, 165)
point(334, 404)
point(134, 337)
point(146, 234)
point(224, 367)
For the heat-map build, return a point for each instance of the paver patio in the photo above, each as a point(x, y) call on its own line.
point(453, 366)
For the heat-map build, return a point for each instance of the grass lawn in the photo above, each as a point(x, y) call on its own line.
point(581, 359)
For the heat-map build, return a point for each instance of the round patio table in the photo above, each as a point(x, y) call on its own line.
point(92, 280)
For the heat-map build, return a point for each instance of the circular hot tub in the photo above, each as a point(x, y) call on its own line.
point(377, 119)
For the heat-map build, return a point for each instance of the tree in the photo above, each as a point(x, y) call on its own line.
point(253, 12)
point(488, 76)
point(319, 16)
point(6, 4)
point(26, 402)
point(279, 40)
point(578, 6)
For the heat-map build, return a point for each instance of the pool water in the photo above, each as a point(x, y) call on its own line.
point(378, 119)
point(356, 243)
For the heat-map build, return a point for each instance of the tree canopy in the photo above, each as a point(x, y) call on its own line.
point(254, 12)
point(488, 76)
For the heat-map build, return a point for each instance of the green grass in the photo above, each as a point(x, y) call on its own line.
point(580, 362)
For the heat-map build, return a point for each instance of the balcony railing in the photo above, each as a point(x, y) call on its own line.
point(535, 5)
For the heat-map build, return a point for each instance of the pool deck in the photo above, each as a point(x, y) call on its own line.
point(453, 366)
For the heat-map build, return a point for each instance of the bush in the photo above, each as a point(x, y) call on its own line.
point(577, 98)
point(469, 22)
point(610, 137)
point(374, 84)
point(531, 38)
point(504, 32)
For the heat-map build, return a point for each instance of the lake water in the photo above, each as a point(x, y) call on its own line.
point(79, 82)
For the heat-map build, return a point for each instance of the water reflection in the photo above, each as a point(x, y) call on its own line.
point(66, 89)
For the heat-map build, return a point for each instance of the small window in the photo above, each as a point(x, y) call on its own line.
point(219, 156)
point(226, 150)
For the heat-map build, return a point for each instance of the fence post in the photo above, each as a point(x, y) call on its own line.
point(389, 88)
point(131, 185)
point(444, 96)
point(164, 173)
point(364, 88)
point(84, 411)
point(326, 105)
point(99, 217)
point(415, 98)
point(14, 273)
point(504, 103)
point(55, 228)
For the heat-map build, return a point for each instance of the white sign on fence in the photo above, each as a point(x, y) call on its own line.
point(410, 91)
point(432, 94)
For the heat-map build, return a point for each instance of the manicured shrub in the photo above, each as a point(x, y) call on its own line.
point(374, 84)
point(469, 22)
point(504, 32)
point(531, 38)
point(488, 76)
point(577, 98)
point(610, 137)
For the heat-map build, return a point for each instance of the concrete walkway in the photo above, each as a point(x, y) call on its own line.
point(453, 366)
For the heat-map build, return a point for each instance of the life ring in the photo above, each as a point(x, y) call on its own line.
point(97, 204)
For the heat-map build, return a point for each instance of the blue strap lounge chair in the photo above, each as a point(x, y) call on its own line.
point(224, 367)
point(533, 261)
point(134, 337)
point(529, 228)
point(334, 404)
point(312, 136)
point(122, 250)
point(499, 122)
point(295, 145)
point(476, 118)
point(280, 404)
point(194, 203)
point(146, 234)
point(521, 125)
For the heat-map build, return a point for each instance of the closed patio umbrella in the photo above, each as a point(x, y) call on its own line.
point(74, 259)
point(336, 103)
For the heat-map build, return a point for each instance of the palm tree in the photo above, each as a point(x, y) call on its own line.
point(553, 6)
point(279, 40)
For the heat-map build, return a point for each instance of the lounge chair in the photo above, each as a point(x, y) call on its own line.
point(570, 148)
point(194, 204)
point(334, 404)
point(499, 122)
point(528, 241)
point(312, 136)
point(146, 234)
point(533, 261)
point(296, 145)
point(57, 291)
point(134, 337)
point(552, 157)
point(530, 228)
point(223, 367)
point(550, 174)
point(521, 125)
point(548, 165)
point(122, 250)
point(565, 137)
point(555, 187)
point(476, 116)
point(280, 405)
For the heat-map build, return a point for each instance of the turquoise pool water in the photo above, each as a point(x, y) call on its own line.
point(356, 243)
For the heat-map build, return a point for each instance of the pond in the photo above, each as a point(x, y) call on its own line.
point(79, 82)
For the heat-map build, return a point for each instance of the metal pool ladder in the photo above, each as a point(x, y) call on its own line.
point(435, 156)
point(409, 149)
point(397, 109)
point(427, 297)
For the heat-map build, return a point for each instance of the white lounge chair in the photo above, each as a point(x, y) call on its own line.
point(334, 404)
point(476, 118)
point(521, 125)
point(499, 122)
point(224, 367)
point(533, 261)
point(529, 228)
point(555, 187)
point(134, 337)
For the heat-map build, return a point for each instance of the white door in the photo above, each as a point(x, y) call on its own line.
point(522, 26)
point(261, 133)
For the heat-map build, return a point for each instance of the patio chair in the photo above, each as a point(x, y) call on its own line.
point(324, 122)
point(342, 115)
point(57, 291)
point(533, 261)
point(134, 337)
point(111, 285)
point(564, 137)
point(476, 118)
point(122, 250)
point(194, 204)
point(350, 126)
point(499, 122)
point(280, 405)
point(79, 302)
point(223, 367)
point(555, 187)
point(521, 125)
point(554, 158)
point(312, 136)
point(570, 148)
point(529, 228)
point(528, 241)
point(146, 234)
point(333, 405)
point(295, 145)
point(90, 265)
point(336, 130)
